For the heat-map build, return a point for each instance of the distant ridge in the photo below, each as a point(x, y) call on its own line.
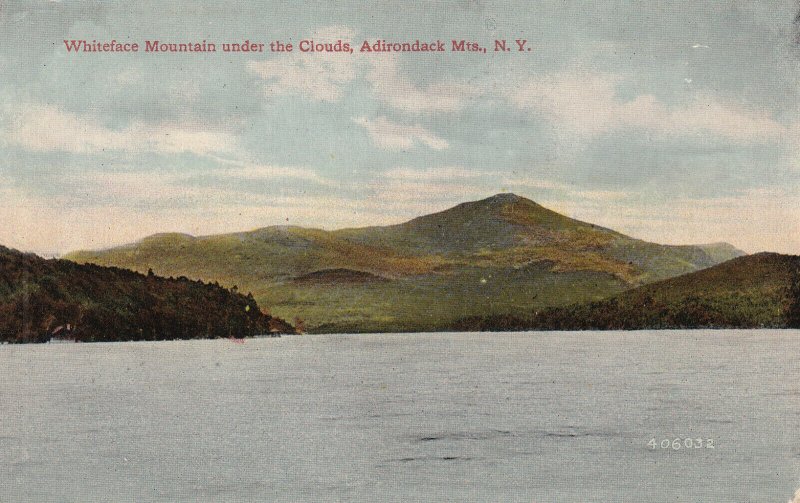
point(756, 291)
point(501, 255)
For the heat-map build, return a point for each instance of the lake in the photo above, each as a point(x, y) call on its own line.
point(668, 416)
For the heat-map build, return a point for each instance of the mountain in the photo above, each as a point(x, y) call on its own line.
point(501, 255)
point(39, 298)
point(756, 291)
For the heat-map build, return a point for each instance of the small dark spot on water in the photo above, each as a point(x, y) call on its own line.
point(573, 433)
point(431, 458)
point(466, 435)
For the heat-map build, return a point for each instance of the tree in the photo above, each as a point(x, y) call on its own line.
point(793, 315)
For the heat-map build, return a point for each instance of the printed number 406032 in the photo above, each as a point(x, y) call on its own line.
point(681, 443)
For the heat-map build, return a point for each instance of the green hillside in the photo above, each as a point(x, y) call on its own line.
point(41, 297)
point(755, 291)
point(501, 255)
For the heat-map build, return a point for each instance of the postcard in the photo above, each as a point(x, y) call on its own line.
point(447, 250)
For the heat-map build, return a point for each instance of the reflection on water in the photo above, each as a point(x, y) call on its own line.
point(545, 417)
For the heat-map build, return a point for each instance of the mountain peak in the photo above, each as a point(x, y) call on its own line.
point(501, 221)
point(504, 200)
point(505, 197)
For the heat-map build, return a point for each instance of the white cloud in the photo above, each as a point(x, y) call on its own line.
point(256, 171)
point(99, 208)
point(443, 173)
point(47, 128)
point(526, 184)
point(428, 191)
point(319, 76)
point(399, 92)
point(175, 188)
point(587, 103)
point(393, 136)
point(458, 184)
point(433, 188)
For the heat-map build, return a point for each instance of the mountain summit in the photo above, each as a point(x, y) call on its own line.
point(501, 221)
point(503, 254)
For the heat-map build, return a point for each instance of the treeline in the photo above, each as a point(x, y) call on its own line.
point(757, 291)
point(38, 296)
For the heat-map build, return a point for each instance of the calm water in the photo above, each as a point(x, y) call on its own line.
point(544, 417)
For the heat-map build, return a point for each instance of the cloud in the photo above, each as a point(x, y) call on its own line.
point(323, 77)
point(319, 76)
point(526, 184)
point(431, 189)
point(255, 171)
point(46, 128)
point(754, 220)
point(429, 192)
point(399, 92)
point(443, 173)
point(460, 184)
point(534, 183)
point(230, 184)
point(393, 136)
point(587, 103)
point(97, 209)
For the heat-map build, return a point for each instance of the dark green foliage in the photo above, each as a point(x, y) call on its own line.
point(794, 296)
point(496, 323)
point(112, 304)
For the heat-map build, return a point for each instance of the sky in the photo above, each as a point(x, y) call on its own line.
point(674, 122)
